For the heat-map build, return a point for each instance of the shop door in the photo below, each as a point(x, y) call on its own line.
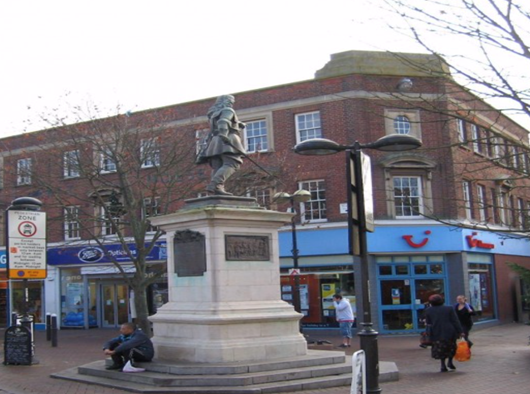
point(114, 304)
point(405, 285)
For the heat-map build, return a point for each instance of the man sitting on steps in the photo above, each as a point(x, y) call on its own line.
point(132, 345)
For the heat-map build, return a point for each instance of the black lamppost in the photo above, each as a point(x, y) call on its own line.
point(358, 226)
point(299, 196)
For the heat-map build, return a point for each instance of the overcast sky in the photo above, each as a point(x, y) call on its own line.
point(147, 54)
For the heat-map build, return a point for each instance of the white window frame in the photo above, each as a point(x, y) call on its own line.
point(502, 206)
point(475, 136)
point(314, 210)
point(461, 127)
point(150, 208)
point(150, 152)
point(24, 167)
point(106, 164)
point(71, 164)
point(106, 224)
point(402, 125)
point(314, 128)
point(481, 199)
point(418, 197)
point(72, 227)
point(520, 212)
point(263, 137)
point(263, 196)
point(466, 193)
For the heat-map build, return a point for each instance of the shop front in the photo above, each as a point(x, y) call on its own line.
point(407, 265)
point(91, 291)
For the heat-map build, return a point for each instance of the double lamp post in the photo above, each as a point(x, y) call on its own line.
point(359, 199)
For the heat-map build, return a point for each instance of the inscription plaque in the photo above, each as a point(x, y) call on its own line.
point(190, 253)
point(247, 248)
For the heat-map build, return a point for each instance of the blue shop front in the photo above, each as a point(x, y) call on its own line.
point(87, 290)
point(407, 265)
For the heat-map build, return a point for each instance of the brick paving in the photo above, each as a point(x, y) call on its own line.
point(500, 363)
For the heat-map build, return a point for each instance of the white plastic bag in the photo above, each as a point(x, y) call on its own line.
point(129, 368)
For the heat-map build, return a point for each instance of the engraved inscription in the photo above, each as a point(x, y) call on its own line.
point(190, 253)
point(247, 248)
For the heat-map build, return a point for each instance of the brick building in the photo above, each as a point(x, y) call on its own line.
point(472, 169)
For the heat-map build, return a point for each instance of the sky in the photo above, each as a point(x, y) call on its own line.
point(137, 55)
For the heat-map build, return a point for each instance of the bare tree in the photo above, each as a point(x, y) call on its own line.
point(101, 180)
point(485, 44)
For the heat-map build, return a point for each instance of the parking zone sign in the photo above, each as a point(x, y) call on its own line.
point(26, 248)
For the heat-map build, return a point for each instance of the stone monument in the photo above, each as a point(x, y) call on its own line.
point(224, 285)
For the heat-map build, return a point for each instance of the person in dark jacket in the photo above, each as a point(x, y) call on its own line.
point(464, 311)
point(445, 330)
point(131, 345)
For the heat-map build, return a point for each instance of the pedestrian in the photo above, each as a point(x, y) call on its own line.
point(132, 345)
point(223, 149)
point(344, 315)
point(464, 311)
point(445, 330)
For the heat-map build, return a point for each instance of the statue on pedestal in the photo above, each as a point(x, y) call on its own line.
point(223, 148)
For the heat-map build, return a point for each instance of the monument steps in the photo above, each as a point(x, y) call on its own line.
point(317, 370)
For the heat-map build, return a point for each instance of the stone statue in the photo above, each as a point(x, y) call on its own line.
point(223, 149)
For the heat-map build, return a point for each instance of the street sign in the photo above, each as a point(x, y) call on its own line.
point(26, 248)
point(294, 271)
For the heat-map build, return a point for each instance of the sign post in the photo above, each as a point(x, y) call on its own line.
point(26, 250)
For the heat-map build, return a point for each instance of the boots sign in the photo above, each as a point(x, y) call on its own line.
point(26, 249)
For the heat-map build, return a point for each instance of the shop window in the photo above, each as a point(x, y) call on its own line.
point(395, 292)
point(420, 269)
point(402, 269)
point(385, 270)
point(34, 302)
point(481, 290)
point(436, 269)
point(397, 320)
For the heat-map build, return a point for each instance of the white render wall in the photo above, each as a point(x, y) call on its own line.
point(233, 312)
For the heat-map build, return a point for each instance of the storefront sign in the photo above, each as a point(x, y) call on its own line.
point(477, 243)
point(26, 244)
point(99, 255)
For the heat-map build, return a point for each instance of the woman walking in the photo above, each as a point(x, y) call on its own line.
point(445, 330)
point(464, 311)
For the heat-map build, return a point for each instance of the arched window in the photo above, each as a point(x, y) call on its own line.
point(402, 124)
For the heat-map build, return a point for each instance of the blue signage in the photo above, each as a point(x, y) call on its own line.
point(101, 254)
point(3, 259)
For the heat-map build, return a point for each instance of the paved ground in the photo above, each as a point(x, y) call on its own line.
point(500, 363)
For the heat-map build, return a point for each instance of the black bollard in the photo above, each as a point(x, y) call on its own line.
point(14, 318)
point(54, 330)
point(48, 327)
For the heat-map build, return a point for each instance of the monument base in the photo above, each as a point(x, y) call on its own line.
point(224, 286)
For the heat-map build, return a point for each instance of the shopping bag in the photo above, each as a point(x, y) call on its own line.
point(463, 353)
point(129, 368)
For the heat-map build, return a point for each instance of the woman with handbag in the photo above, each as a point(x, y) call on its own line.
point(445, 330)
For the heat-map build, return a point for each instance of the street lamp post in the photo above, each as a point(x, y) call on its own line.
point(358, 227)
point(297, 197)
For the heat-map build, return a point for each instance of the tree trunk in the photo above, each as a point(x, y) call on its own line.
point(142, 312)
